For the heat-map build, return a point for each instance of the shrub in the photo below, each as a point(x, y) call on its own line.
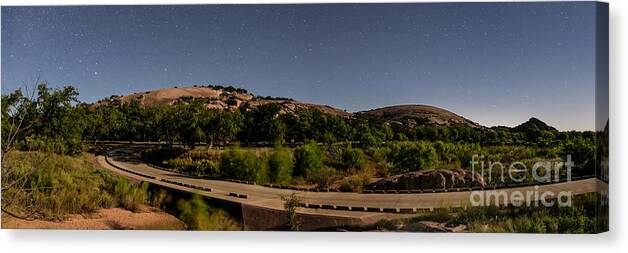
point(291, 202)
point(69, 146)
point(309, 159)
point(281, 164)
point(412, 156)
point(199, 216)
point(130, 196)
point(379, 156)
point(353, 158)
point(322, 177)
point(260, 167)
point(354, 183)
point(238, 164)
point(158, 198)
point(206, 167)
point(232, 163)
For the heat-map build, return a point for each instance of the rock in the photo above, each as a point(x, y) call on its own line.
point(433, 179)
point(430, 226)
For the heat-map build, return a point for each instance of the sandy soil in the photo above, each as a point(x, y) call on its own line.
point(113, 218)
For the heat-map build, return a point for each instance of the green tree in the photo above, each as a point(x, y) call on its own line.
point(263, 125)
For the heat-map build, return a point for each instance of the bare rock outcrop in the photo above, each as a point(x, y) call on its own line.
point(431, 226)
point(433, 179)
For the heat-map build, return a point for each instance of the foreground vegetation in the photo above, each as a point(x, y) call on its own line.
point(586, 215)
point(53, 186)
point(198, 215)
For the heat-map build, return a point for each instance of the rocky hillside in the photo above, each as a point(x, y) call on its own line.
point(214, 97)
point(417, 115)
point(230, 98)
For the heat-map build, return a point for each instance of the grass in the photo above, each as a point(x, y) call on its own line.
point(200, 216)
point(51, 186)
point(60, 185)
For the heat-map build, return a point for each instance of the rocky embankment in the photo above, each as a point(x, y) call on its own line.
point(433, 179)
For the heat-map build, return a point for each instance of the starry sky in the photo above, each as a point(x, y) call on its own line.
point(494, 63)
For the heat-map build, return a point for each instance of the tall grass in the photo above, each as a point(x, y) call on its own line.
point(57, 185)
point(200, 216)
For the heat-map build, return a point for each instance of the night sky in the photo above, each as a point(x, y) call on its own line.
point(494, 63)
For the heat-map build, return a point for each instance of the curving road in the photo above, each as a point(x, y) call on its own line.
point(370, 207)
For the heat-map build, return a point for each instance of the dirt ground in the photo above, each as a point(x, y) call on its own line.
point(104, 219)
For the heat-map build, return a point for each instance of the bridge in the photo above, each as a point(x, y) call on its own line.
point(262, 206)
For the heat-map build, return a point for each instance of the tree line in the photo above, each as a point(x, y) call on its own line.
point(55, 119)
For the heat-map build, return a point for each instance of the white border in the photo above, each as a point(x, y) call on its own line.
point(183, 242)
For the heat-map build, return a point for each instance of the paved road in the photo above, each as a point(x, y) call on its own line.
point(266, 197)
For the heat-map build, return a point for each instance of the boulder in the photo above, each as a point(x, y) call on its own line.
point(433, 179)
point(431, 226)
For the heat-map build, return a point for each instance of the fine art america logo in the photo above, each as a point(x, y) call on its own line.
point(517, 173)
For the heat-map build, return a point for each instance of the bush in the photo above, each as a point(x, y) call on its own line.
point(232, 163)
point(260, 167)
point(412, 156)
point(70, 146)
point(379, 156)
point(354, 183)
point(206, 167)
point(202, 167)
point(290, 204)
point(158, 198)
point(322, 177)
point(353, 158)
point(199, 216)
point(309, 159)
point(281, 164)
point(238, 164)
point(130, 196)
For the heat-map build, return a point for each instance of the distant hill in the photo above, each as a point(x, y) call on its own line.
point(534, 124)
point(419, 114)
point(230, 98)
point(214, 97)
